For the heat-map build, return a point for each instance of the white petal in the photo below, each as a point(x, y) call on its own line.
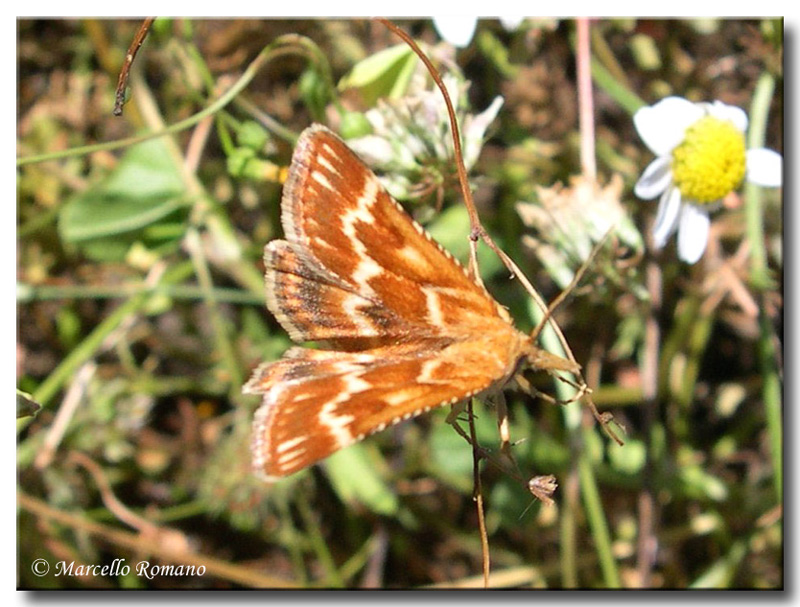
point(475, 129)
point(655, 179)
point(511, 22)
point(729, 112)
point(667, 217)
point(765, 167)
point(692, 233)
point(373, 149)
point(662, 126)
point(457, 30)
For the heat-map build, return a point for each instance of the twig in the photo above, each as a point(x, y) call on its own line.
point(286, 44)
point(110, 500)
point(537, 485)
point(197, 144)
point(376, 562)
point(122, 83)
point(565, 293)
point(64, 415)
point(476, 232)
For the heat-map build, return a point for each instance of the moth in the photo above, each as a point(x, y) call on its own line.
point(402, 326)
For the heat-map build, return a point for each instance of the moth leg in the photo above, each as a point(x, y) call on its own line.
point(455, 411)
point(455, 416)
point(474, 271)
point(605, 419)
point(528, 388)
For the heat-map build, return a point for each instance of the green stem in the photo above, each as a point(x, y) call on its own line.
point(294, 542)
point(222, 331)
point(27, 293)
point(772, 400)
point(89, 346)
point(603, 78)
point(723, 572)
point(597, 522)
point(588, 481)
point(761, 280)
point(568, 537)
point(698, 341)
point(317, 539)
point(86, 350)
point(754, 211)
point(279, 46)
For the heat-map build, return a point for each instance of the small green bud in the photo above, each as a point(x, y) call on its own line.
point(238, 161)
point(252, 135)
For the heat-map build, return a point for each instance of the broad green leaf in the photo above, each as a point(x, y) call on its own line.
point(145, 189)
point(383, 74)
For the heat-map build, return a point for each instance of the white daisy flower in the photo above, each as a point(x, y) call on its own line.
point(701, 157)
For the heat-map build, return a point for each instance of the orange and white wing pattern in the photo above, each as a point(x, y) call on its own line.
point(404, 327)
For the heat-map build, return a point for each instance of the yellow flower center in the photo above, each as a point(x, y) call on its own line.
point(710, 162)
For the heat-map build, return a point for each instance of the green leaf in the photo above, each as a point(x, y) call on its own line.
point(451, 230)
point(511, 502)
point(315, 93)
point(250, 134)
point(144, 189)
point(383, 74)
point(354, 477)
point(699, 484)
point(451, 456)
point(722, 572)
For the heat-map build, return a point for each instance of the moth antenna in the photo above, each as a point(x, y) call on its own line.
point(571, 286)
point(477, 231)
